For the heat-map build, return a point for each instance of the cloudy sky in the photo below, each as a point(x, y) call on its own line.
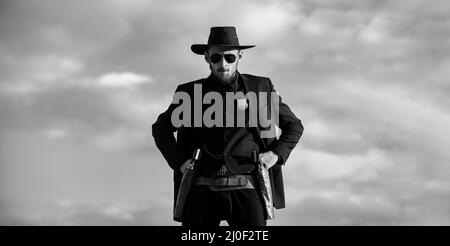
point(81, 82)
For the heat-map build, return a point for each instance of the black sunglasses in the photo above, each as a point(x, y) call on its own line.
point(229, 58)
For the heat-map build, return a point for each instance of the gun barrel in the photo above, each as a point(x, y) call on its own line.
point(196, 155)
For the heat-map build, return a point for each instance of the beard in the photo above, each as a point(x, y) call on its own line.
point(226, 77)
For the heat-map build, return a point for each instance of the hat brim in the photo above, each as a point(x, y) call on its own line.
point(200, 49)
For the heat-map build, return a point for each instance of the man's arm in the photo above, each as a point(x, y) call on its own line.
point(291, 131)
point(163, 133)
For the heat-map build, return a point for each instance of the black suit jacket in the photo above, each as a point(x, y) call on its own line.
point(177, 150)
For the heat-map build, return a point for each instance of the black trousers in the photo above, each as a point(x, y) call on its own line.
point(205, 207)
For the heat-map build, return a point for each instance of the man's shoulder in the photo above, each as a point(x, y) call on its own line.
point(189, 85)
point(255, 82)
point(252, 77)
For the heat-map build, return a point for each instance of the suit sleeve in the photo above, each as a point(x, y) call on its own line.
point(163, 133)
point(291, 131)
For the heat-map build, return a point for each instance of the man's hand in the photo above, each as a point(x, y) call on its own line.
point(185, 165)
point(268, 159)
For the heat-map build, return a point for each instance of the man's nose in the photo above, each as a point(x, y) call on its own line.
point(223, 63)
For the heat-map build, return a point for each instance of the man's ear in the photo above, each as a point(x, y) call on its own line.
point(206, 57)
point(240, 53)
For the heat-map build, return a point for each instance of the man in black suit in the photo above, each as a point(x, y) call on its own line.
point(225, 187)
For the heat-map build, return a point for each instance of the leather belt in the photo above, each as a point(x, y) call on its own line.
point(234, 182)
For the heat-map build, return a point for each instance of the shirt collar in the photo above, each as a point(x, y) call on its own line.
point(219, 85)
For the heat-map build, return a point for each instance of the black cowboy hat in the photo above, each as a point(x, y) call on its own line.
point(223, 36)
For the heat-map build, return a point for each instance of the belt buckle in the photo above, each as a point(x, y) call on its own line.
point(229, 181)
point(223, 171)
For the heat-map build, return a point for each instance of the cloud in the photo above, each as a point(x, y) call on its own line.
point(56, 133)
point(120, 139)
point(345, 202)
point(375, 31)
point(361, 166)
point(60, 75)
point(70, 213)
point(369, 79)
point(372, 141)
point(342, 208)
point(122, 80)
point(277, 18)
point(39, 73)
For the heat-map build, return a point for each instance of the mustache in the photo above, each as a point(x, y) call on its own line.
point(222, 70)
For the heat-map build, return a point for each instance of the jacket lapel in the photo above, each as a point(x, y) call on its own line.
point(256, 131)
